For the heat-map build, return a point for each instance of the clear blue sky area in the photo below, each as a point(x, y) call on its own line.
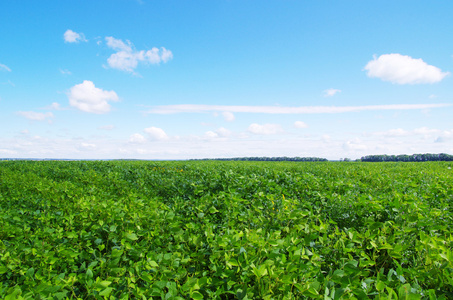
point(198, 79)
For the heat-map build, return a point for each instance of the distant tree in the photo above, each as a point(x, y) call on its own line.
point(283, 158)
point(407, 158)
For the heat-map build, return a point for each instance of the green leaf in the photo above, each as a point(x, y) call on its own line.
point(89, 273)
point(30, 272)
point(196, 295)
point(15, 294)
point(380, 286)
point(131, 236)
point(3, 269)
point(153, 264)
point(105, 283)
point(61, 295)
point(106, 292)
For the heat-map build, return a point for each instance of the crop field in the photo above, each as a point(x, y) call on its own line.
point(225, 230)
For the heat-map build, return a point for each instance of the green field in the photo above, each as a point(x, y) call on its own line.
point(225, 230)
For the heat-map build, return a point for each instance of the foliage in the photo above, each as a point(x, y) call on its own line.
point(225, 230)
point(281, 158)
point(406, 158)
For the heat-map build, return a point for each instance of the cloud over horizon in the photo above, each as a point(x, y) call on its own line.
point(156, 133)
point(200, 108)
point(265, 129)
point(300, 124)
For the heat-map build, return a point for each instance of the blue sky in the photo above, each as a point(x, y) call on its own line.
point(204, 79)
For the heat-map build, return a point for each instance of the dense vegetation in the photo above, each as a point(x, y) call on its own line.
point(226, 230)
point(406, 158)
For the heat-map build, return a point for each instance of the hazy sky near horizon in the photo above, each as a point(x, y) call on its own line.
point(150, 79)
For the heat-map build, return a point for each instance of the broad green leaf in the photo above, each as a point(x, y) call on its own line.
point(131, 236)
point(89, 273)
point(196, 295)
point(153, 264)
point(106, 292)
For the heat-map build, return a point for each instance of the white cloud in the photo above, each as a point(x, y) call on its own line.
point(9, 82)
point(65, 72)
point(156, 133)
point(7, 151)
point(124, 61)
point(118, 45)
point(228, 116)
point(87, 147)
point(166, 55)
point(334, 146)
point(223, 132)
point(398, 132)
point(219, 133)
point(403, 69)
point(422, 135)
point(196, 108)
point(300, 124)
point(55, 106)
point(331, 92)
point(35, 116)
point(127, 58)
point(211, 134)
point(137, 138)
point(354, 145)
point(107, 127)
point(445, 136)
point(4, 68)
point(425, 131)
point(88, 98)
point(265, 129)
point(326, 138)
point(74, 37)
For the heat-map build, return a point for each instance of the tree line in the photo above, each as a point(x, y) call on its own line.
point(283, 158)
point(409, 158)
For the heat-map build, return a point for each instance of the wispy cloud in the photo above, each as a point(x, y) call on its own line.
point(86, 147)
point(197, 108)
point(35, 116)
point(137, 138)
point(265, 129)
point(300, 124)
point(220, 133)
point(65, 72)
point(107, 127)
point(4, 68)
point(331, 92)
point(55, 106)
point(228, 116)
point(9, 82)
